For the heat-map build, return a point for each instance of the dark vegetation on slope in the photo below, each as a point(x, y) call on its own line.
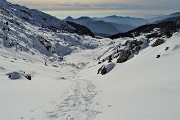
point(163, 29)
point(173, 19)
point(80, 29)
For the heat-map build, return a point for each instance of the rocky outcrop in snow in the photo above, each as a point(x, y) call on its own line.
point(158, 42)
point(124, 55)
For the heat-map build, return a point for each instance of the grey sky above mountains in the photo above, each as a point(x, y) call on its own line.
point(100, 4)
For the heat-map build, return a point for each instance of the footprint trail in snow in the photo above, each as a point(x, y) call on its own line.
point(76, 103)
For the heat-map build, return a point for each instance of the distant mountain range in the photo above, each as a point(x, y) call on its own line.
point(101, 27)
point(167, 25)
point(111, 25)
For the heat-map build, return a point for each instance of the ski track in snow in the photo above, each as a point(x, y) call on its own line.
point(77, 103)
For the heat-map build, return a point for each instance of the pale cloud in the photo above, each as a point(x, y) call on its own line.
point(100, 4)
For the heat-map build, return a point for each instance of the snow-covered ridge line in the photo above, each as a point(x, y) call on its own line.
point(34, 16)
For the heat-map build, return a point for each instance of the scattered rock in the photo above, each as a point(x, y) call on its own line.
point(62, 78)
point(106, 68)
point(54, 65)
point(167, 48)
point(102, 70)
point(158, 42)
point(110, 59)
point(134, 43)
point(158, 56)
point(99, 62)
point(28, 77)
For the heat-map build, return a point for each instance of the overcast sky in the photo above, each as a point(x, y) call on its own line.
point(101, 4)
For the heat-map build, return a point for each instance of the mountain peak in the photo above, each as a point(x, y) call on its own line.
point(69, 17)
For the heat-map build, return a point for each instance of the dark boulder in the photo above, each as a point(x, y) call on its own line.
point(110, 59)
point(133, 44)
point(158, 42)
point(158, 56)
point(124, 55)
point(28, 77)
point(167, 48)
point(102, 70)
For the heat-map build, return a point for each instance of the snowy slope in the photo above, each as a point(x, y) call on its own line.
point(49, 87)
point(34, 36)
point(32, 16)
point(30, 47)
point(64, 82)
point(144, 87)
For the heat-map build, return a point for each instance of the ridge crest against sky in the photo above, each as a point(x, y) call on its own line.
point(100, 4)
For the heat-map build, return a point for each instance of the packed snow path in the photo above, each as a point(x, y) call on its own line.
point(77, 103)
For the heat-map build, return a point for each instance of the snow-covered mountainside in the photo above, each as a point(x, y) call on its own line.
point(49, 37)
point(17, 14)
point(31, 16)
point(50, 74)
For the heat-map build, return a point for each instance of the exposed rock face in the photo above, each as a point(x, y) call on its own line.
point(124, 55)
point(102, 70)
point(134, 44)
point(157, 42)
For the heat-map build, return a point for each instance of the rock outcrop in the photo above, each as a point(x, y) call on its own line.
point(158, 42)
point(124, 55)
